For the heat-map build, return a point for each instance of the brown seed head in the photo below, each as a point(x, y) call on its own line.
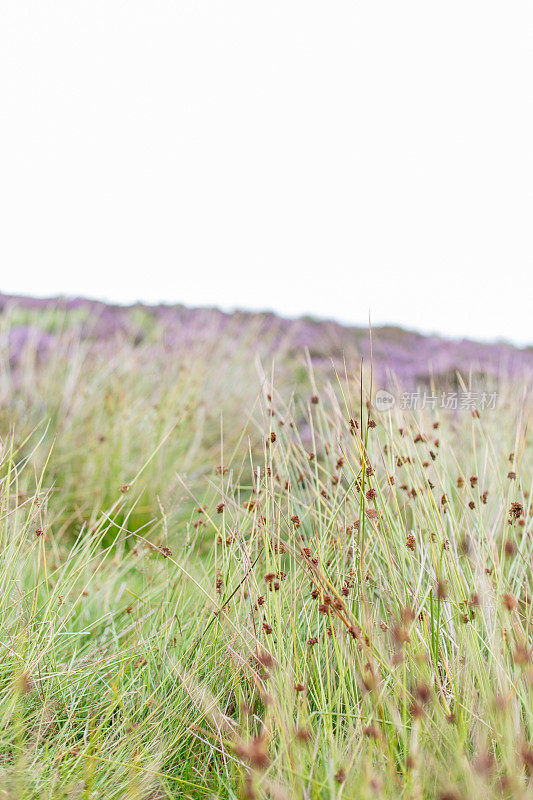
point(442, 590)
point(303, 735)
point(255, 752)
point(522, 654)
point(340, 775)
point(510, 548)
point(423, 692)
point(449, 794)
point(527, 757)
point(265, 659)
point(371, 731)
point(509, 601)
point(417, 710)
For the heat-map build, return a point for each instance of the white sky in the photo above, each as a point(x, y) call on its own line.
point(338, 158)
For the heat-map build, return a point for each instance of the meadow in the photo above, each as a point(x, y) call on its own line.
point(226, 574)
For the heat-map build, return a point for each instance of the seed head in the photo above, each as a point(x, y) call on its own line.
point(510, 548)
point(522, 654)
point(509, 601)
point(527, 757)
point(255, 752)
point(423, 692)
point(442, 590)
point(303, 735)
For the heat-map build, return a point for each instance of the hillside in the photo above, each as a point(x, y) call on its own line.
point(410, 356)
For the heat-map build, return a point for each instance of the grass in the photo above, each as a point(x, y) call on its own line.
point(221, 582)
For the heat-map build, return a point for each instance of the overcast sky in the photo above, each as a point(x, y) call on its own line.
point(334, 158)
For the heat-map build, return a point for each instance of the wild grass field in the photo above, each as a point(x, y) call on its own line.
point(226, 574)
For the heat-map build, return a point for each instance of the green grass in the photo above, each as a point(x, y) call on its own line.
point(212, 586)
